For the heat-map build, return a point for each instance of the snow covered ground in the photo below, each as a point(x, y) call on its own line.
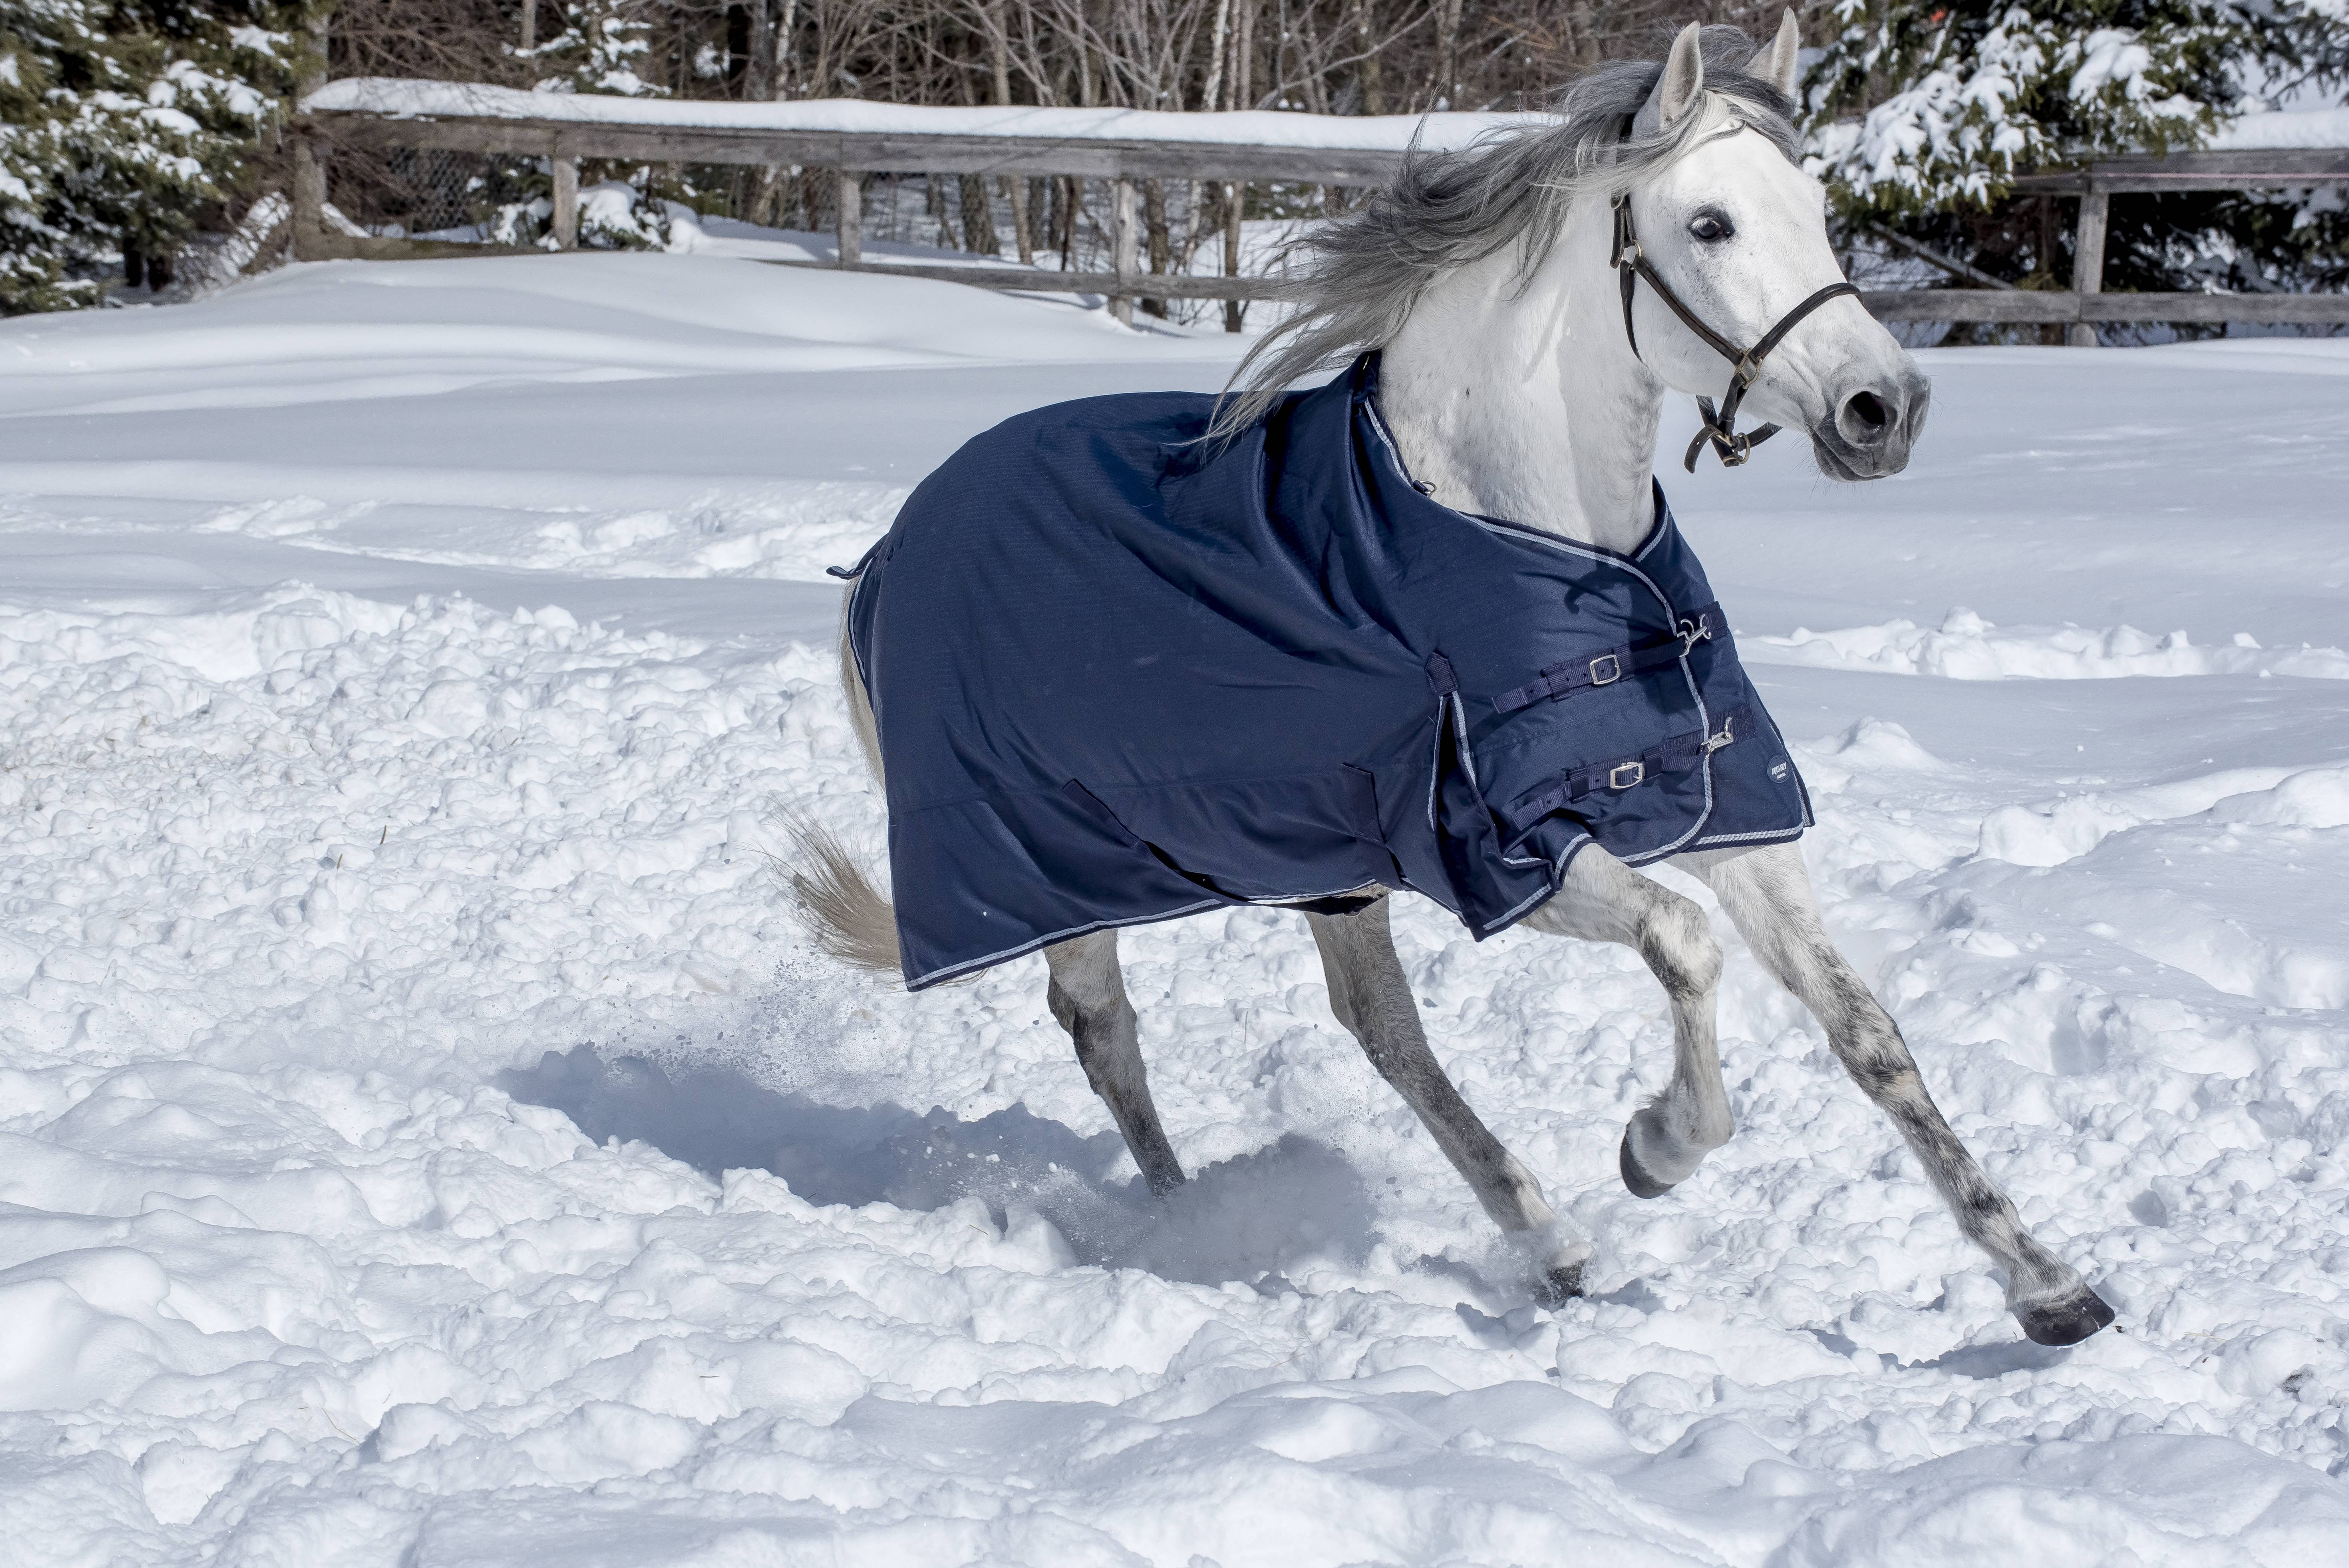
point(426, 1139)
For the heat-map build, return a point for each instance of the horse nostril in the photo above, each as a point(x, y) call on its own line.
point(1865, 416)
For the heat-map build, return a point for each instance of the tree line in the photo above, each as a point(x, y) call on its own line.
point(130, 128)
point(1322, 57)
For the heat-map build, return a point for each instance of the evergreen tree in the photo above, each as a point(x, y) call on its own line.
point(119, 126)
point(601, 49)
point(1924, 112)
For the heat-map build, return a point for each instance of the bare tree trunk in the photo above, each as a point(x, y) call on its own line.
point(934, 207)
point(1154, 217)
point(1235, 311)
point(978, 235)
point(1446, 94)
point(1235, 196)
point(1244, 56)
point(309, 170)
point(767, 188)
point(759, 69)
point(815, 201)
point(1309, 62)
point(1015, 188)
point(1211, 98)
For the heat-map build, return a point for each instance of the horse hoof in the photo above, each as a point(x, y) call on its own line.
point(2065, 1322)
point(1641, 1184)
point(1557, 1286)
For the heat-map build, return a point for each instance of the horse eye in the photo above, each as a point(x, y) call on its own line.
point(1711, 228)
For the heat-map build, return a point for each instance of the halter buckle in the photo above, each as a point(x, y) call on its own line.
point(1616, 779)
point(1614, 670)
point(1729, 447)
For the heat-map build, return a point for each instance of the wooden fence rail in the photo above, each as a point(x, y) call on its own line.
point(563, 142)
point(2276, 168)
point(853, 154)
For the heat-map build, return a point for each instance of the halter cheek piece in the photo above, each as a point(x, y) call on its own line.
point(1631, 264)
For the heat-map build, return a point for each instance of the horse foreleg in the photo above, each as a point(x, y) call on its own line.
point(1372, 999)
point(1767, 893)
point(1087, 996)
point(1603, 900)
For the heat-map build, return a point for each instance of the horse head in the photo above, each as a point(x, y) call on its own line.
point(1535, 294)
point(1734, 232)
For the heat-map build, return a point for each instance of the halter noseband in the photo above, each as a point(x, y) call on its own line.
point(1631, 264)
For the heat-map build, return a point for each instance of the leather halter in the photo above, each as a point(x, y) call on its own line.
point(1631, 264)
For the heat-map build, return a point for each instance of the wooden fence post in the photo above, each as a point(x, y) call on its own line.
point(309, 201)
point(2088, 261)
point(566, 223)
point(1122, 247)
point(852, 218)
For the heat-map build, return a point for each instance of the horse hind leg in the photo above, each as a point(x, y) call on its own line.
point(1372, 998)
point(1603, 900)
point(1087, 996)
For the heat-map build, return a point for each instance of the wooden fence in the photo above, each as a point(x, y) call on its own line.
point(852, 154)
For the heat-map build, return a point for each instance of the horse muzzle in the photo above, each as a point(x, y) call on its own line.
point(1868, 435)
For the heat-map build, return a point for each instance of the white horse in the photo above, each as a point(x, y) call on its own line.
point(1535, 298)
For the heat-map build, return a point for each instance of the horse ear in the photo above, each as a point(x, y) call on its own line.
point(1781, 64)
point(1682, 83)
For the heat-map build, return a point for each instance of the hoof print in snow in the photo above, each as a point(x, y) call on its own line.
point(1557, 1286)
point(1641, 1184)
point(2065, 1322)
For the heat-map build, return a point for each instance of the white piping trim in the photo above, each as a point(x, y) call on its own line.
point(1664, 523)
point(1434, 764)
point(1277, 901)
point(1557, 879)
point(1023, 949)
point(1459, 733)
point(1767, 836)
point(848, 635)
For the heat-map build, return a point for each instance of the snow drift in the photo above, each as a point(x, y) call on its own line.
point(428, 1141)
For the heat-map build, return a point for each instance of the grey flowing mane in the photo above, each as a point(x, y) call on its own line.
point(1356, 278)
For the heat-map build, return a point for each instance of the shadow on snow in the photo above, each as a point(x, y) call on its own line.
point(1249, 1218)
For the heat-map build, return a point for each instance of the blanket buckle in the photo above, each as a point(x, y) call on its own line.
point(1613, 671)
point(1637, 769)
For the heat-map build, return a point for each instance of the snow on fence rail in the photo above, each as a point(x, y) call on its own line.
point(855, 138)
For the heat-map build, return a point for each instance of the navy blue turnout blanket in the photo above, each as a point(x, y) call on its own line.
point(1122, 675)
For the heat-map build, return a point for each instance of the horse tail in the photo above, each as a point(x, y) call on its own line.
point(850, 919)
